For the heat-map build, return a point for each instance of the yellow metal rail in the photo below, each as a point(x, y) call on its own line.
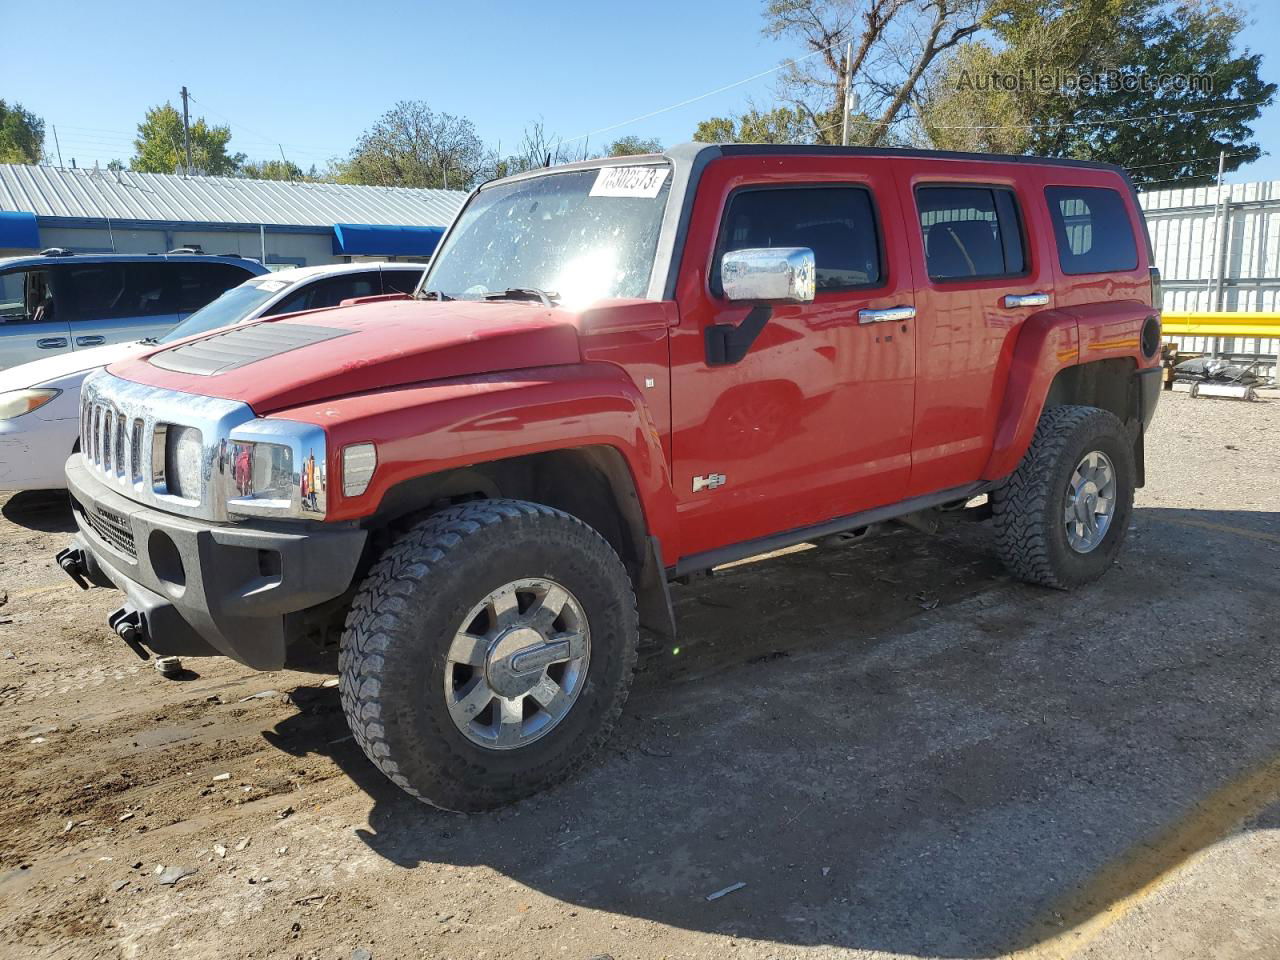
point(1222, 324)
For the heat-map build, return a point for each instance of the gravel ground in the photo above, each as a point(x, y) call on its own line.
point(899, 752)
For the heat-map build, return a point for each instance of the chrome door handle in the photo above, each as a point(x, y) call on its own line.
point(1012, 300)
point(886, 315)
point(90, 341)
point(51, 343)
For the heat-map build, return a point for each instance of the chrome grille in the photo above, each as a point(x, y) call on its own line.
point(124, 428)
point(110, 444)
point(113, 529)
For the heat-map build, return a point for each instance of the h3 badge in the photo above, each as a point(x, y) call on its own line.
point(709, 482)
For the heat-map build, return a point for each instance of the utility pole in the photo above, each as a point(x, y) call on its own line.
point(848, 90)
point(1222, 218)
point(186, 129)
point(58, 145)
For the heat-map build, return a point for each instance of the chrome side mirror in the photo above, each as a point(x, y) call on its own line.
point(769, 273)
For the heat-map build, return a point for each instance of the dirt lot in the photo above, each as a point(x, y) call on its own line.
point(899, 751)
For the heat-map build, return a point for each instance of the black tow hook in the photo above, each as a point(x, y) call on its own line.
point(72, 561)
point(131, 628)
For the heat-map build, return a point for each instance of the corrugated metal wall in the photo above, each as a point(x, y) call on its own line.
point(1219, 254)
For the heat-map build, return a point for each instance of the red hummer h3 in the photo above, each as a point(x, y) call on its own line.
point(616, 373)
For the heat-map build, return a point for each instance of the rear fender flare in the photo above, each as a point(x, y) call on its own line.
point(1048, 342)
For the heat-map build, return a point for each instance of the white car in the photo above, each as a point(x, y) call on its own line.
point(40, 401)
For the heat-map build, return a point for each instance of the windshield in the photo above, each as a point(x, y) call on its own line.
point(232, 307)
point(580, 236)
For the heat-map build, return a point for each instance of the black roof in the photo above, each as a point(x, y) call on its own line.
point(801, 149)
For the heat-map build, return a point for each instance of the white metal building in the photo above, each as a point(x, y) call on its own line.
point(285, 224)
point(1219, 253)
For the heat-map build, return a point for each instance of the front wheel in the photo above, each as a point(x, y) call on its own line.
point(488, 653)
point(1061, 517)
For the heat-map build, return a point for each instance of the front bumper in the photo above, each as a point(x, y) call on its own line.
point(33, 451)
point(205, 589)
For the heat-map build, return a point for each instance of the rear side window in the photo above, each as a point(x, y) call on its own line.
point(970, 232)
point(837, 223)
point(203, 282)
point(1092, 228)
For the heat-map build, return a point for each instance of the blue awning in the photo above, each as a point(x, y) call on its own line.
point(371, 240)
point(19, 231)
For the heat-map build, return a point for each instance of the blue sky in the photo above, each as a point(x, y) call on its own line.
point(312, 76)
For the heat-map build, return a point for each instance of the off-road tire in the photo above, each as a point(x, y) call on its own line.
point(404, 617)
point(1027, 509)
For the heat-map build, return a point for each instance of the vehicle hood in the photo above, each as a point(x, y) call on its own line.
point(277, 363)
point(49, 370)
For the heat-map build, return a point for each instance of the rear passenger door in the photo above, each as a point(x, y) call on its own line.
point(977, 281)
point(32, 322)
point(117, 302)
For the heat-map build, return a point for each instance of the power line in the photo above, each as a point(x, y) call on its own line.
point(1175, 163)
point(1058, 124)
point(701, 96)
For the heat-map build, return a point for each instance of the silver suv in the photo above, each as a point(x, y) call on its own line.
point(59, 302)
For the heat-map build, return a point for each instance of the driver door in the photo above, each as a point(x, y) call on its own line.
point(31, 324)
point(812, 420)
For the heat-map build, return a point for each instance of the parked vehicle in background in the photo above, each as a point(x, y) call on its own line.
point(40, 401)
point(60, 302)
point(617, 373)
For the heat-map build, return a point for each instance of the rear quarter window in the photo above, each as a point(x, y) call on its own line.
point(201, 282)
point(1092, 229)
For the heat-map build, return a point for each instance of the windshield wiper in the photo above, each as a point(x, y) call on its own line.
point(433, 295)
point(546, 297)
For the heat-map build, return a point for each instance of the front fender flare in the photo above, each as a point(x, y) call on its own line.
point(446, 425)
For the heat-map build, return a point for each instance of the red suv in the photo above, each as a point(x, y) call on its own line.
point(616, 373)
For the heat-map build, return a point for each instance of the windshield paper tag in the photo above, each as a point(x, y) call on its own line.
point(273, 285)
point(629, 181)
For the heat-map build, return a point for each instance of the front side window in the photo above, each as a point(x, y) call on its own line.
point(26, 296)
point(582, 235)
point(970, 232)
point(837, 223)
point(328, 293)
point(400, 281)
point(1092, 228)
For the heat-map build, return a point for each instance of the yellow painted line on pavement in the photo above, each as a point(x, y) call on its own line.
point(1222, 528)
point(1126, 883)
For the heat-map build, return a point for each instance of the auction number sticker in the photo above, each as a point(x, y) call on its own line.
point(629, 181)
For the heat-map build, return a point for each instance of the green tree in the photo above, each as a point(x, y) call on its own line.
point(21, 135)
point(273, 170)
point(779, 125)
point(1133, 40)
point(413, 146)
point(159, 145)
point(633, 146)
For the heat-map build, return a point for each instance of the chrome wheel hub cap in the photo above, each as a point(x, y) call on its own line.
point(517, 663)
point(1091, 501)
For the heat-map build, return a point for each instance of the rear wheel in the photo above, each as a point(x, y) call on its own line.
point(488, 653)
point(1060, 519)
